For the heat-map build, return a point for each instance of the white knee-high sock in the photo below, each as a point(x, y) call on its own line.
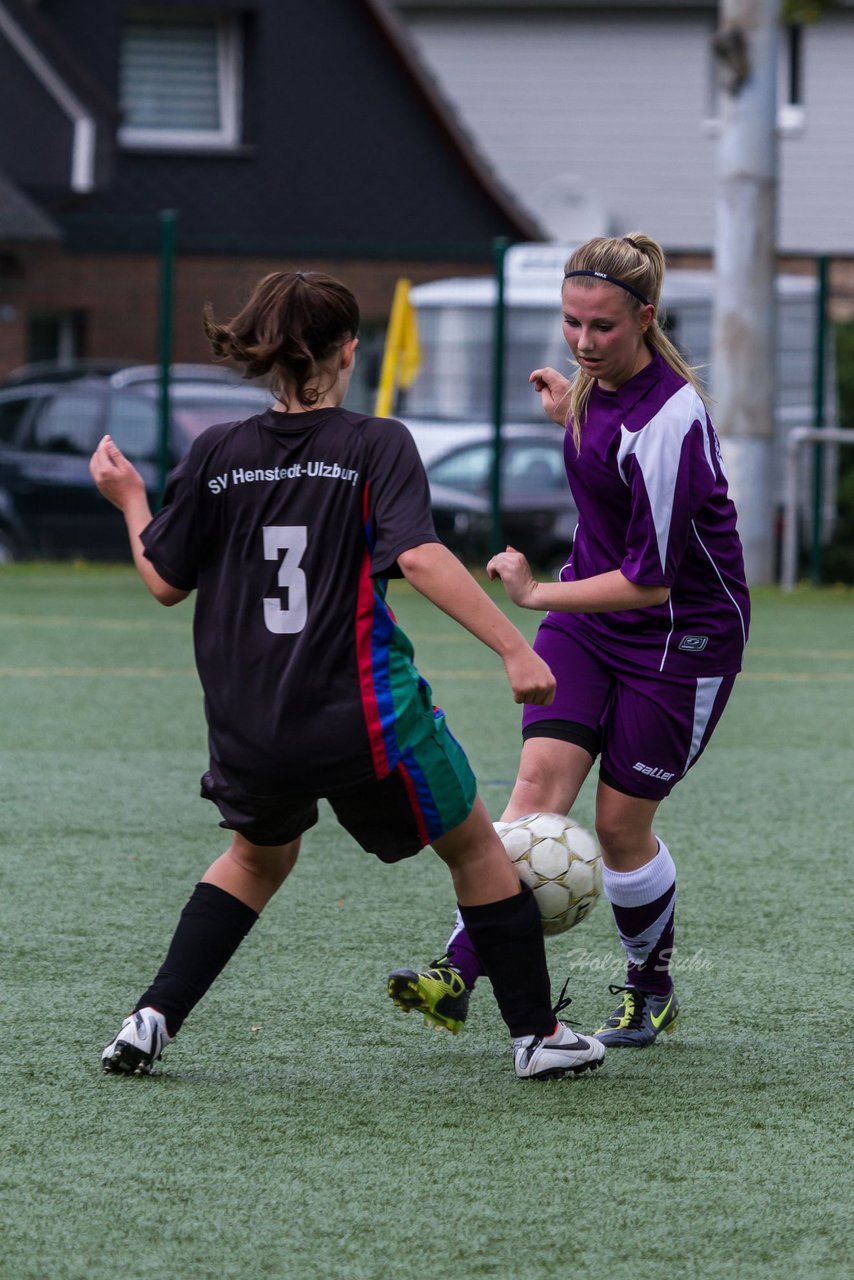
point(643, 903)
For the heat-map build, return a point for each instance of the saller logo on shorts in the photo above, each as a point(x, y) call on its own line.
point(693, 644)
point(652, 772)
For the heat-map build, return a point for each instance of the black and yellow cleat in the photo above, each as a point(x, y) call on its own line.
point(639, 1019)
point(438, 993)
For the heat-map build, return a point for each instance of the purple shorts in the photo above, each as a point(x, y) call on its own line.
point(650, 730)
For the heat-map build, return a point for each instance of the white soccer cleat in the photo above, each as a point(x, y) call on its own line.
point(138, 1045)
point(563, 1053)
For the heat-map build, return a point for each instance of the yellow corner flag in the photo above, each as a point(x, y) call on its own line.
point(402, 354)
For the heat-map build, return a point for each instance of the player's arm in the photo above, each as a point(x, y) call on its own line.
point(603, 593)
point(437, 574)
point(120, 483)
point(554, 391)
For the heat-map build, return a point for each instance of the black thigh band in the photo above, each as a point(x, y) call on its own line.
point(566, 731)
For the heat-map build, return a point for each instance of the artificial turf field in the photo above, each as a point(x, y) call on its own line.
point(300, 1126)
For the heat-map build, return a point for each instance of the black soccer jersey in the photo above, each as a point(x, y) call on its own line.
point(288, 526)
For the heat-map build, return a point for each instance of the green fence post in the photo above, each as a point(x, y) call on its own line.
point(167, 261)
point(818, 421)
point(500, 247)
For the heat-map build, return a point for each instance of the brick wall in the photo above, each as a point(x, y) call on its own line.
point(120, 296)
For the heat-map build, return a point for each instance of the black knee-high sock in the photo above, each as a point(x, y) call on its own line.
point(211, 928)
point(508, 937)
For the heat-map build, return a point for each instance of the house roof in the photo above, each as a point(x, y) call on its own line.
point(48, 81)
point(60, 56)
point(355, 152)
point(438, 105)
point(21, 218)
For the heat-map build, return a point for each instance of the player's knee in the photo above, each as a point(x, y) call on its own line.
point(620, 838)
point(270, 863)
point(464, 842)
point(537, 792)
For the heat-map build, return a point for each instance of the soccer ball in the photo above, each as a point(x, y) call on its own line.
point(561, 863)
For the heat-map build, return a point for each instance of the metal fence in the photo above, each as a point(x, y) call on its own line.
point(494, 461)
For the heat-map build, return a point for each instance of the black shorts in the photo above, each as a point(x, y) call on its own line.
point(431, 791)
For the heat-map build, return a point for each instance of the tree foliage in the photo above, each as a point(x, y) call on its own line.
point(795, 13)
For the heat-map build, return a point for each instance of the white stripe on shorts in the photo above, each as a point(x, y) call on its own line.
point(704, 704)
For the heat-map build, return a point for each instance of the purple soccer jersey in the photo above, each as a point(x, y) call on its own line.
point(652, 499)
point(649, 684)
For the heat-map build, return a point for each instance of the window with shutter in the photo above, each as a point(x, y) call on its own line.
point(179, 80)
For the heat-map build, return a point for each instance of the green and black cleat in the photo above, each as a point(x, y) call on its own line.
point(438, 993)
point(639, 1019)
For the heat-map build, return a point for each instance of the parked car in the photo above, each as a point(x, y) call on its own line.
point(538, 515)
point(52, 418)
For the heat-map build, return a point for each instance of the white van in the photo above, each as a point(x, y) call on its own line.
point(451, 401)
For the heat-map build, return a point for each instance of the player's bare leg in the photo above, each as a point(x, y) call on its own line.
point(549, 778)
point(252, 873)
point(477, 862)
point(624, 828)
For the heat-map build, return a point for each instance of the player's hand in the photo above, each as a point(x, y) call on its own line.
point(117, 479)
point(530, 678)
point(554, 391)
point(515, 573)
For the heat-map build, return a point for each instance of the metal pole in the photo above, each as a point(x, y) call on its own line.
point(167, 260)
point(743, 345)
point(818, 421)
point(500, 247)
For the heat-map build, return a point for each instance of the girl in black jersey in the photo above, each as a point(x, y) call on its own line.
point(287, 527)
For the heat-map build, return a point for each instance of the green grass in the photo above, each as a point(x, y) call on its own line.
point(303, 1128)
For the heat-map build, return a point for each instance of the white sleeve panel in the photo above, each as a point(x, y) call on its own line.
point(657, 449)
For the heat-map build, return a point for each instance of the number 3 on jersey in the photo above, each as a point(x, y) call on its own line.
point(290, 539)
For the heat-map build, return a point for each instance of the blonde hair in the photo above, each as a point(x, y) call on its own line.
point(638, 261)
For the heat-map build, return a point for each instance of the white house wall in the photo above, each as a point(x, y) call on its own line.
point(817, 166)
point(617, 111)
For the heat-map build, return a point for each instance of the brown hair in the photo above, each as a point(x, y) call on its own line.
point(292, 324)
point(638, 261)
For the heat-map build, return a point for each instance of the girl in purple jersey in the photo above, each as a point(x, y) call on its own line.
point(287, 526)
point(646, 627)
